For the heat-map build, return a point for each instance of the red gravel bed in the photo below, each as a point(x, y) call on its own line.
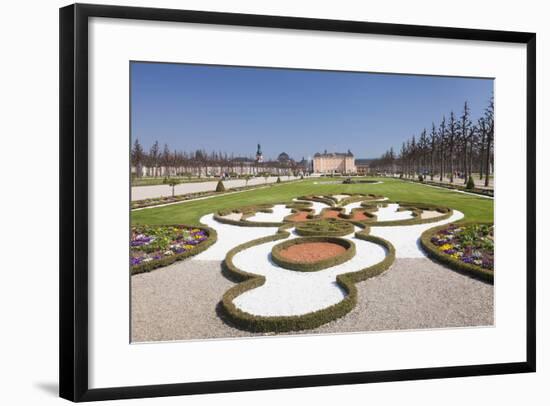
point(312, 251)
point(359, 215)
point(330, 214)
point(300, 216)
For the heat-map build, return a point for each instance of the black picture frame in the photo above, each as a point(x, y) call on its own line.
point(73, 333)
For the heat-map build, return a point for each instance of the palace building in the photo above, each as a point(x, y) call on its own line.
point(334, 162)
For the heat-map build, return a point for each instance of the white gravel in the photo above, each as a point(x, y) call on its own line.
point(405, 238)
point(233, 216)
point(279, 213)
point(288, 292)
point(390, 213)
point(316, 206)
point(229, 236)
point(340, 197)
point(349, 207)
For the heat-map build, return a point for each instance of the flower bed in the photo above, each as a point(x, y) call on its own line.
point(467, 247)
point(289, 256)
point(156, 246)
point(332, 228)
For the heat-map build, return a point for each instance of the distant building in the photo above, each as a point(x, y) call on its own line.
point(304, 166)
point(362, 166)
point(334, 162)
point(283, 158)
point(259, 155)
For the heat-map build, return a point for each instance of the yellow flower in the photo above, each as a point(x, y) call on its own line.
point(445, 247)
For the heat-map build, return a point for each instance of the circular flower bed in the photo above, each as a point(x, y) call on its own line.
point(155, 246)
point(332, 228)
point(312, 253)
point(468, 247)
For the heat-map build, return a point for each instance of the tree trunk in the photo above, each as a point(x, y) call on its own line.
point(488, 158)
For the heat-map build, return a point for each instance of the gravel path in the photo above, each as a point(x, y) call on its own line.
point(147, 192)
point(417, 294)
point(178, 302)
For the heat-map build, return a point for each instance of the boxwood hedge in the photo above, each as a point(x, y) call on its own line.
point(328, 227)
point(248, 281)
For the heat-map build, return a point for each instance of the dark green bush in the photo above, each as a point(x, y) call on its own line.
point(470, 185)
point(220, 187)
point(278, 179)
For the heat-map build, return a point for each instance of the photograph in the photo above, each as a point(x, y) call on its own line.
point(270, 201)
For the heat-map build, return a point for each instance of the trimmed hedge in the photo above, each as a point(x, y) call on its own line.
point(320, 199)
point(358, 197)
point(250, 322)
point(433, 252)
point(158, 263)
point(349, 216)
point(328, 227)
point(416, 209)
point(247, 211)
point(286, 263)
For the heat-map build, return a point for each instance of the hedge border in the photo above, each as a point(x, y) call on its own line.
point(366, 205)
point(303, 228)
point(469, 269)
point(349, 216)
point(283, 262)
point(416, 209)
point(280, 324)
point(360, 197)
point(321, 199)
point(243, 222)
point(158, 263)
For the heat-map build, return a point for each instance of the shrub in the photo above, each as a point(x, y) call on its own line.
point(420, 178)
point(332, 228)
point(470, 185)
point(220, 187)
point(278, 179)
point(248, 281)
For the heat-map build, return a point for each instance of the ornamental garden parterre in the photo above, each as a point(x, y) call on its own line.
point(282, 284)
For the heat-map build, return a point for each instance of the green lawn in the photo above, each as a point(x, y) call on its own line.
point(475, 208)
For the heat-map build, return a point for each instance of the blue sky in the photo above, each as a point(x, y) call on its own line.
point(300, 112)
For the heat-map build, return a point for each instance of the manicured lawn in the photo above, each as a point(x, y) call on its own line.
point(475, 208)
